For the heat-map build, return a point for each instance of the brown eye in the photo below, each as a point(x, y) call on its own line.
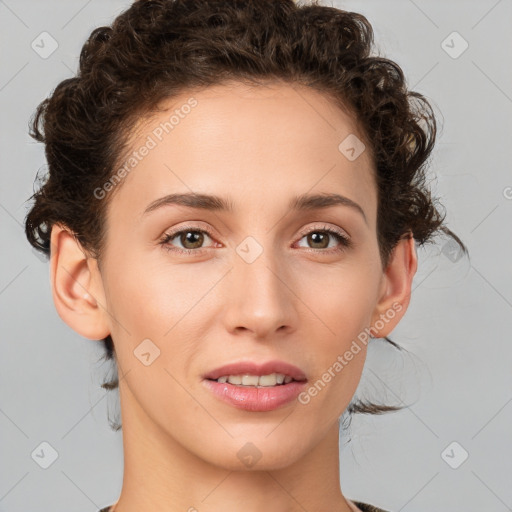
point(191, 240)
point(319, 239)
point(194, 238)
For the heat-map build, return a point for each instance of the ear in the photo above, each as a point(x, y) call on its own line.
point(395, 289)
point(77, 287)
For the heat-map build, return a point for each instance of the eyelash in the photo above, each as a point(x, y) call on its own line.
point(345, 242)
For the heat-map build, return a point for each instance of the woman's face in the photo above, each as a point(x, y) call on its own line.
point(257, 283)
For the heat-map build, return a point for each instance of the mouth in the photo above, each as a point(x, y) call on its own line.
point(256, 387)
point(250, 373)
point(259, 381)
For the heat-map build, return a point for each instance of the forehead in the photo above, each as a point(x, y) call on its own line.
point(254, 142)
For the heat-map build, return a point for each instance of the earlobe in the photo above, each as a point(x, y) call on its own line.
point(76, 286)
point(396, 286)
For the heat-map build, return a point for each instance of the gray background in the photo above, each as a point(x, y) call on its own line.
point(456, 375)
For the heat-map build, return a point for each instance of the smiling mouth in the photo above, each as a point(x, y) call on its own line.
point(256, 387)
point(259, 381)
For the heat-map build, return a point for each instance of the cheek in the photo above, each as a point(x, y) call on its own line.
point(344, 307)
point(165, 304)
point(152, 299)
point(343, 298)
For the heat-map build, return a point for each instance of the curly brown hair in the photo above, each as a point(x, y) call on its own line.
point(156, 49)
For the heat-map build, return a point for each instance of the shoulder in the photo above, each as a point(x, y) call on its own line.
point(366, 507)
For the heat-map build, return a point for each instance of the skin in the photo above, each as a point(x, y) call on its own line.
point(298, 302)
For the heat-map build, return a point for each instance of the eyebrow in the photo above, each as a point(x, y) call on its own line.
point(218, 203)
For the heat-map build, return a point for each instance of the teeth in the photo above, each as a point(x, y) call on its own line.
point(248, 380)
point(254, 380)
point(235, 379)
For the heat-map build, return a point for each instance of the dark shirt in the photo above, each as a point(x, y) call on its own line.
point(365, 507)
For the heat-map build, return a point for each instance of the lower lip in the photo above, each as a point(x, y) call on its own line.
point(256, 399)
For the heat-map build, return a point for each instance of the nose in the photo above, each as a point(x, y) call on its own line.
point(259, 297)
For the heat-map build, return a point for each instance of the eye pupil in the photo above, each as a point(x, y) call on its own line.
point(195, 238)
point(319, 237)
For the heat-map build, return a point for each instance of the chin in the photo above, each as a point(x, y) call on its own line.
point(258, 453)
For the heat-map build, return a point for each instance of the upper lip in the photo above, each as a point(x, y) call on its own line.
point(253, 368)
